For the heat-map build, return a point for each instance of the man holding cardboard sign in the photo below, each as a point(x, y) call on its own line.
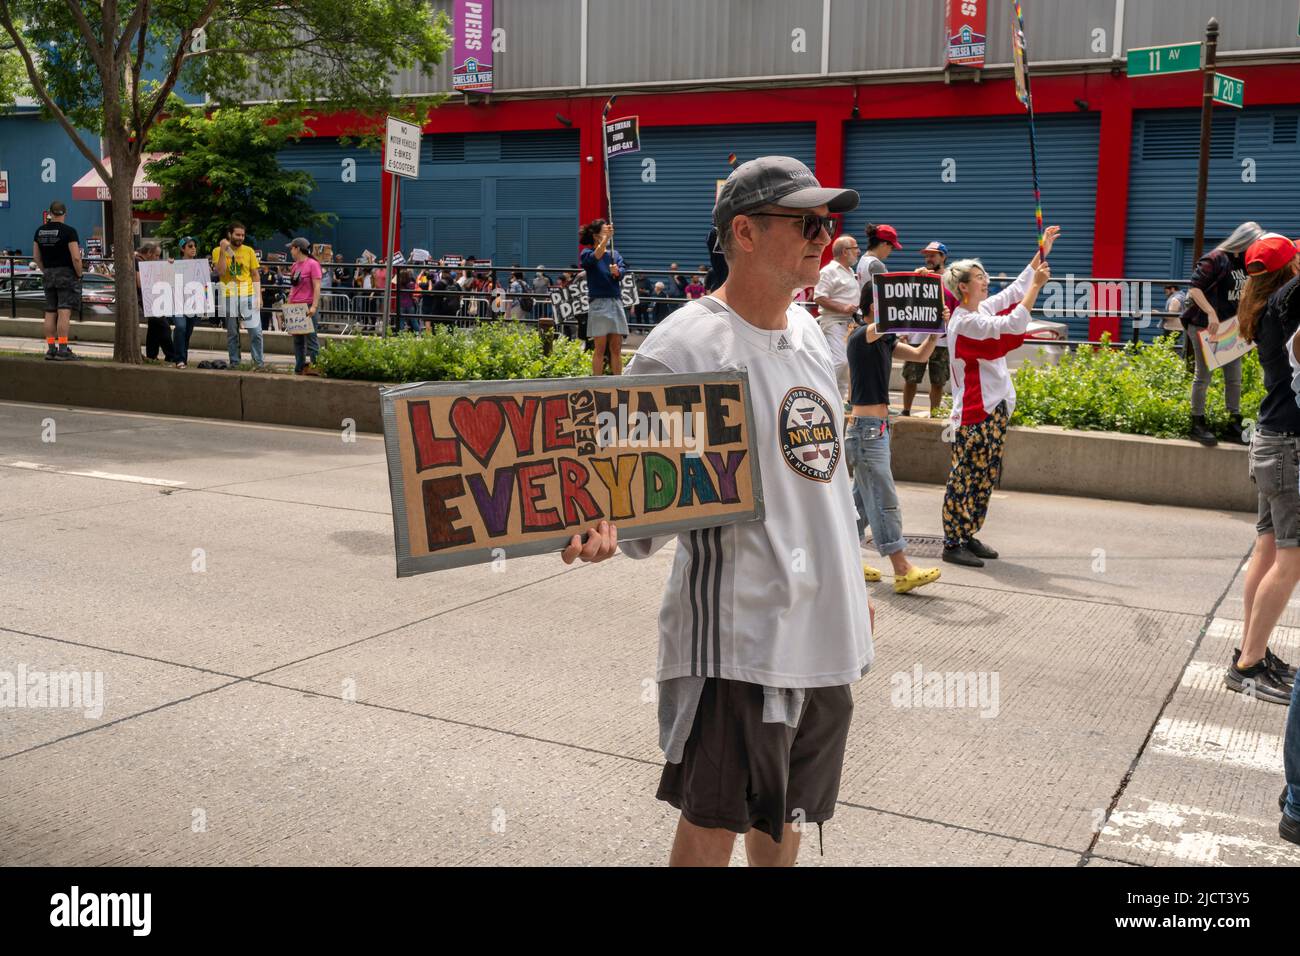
point(764, 624)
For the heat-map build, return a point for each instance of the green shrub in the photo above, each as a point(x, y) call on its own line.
point(1141, 389)
point(489, 350)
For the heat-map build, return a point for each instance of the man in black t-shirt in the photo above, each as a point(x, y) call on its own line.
point(57, 254)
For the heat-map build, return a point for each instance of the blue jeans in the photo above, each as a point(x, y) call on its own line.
point(867, 447)
point(305, 348)
point(182, 329)
point(234, 309)
point(1291, 756)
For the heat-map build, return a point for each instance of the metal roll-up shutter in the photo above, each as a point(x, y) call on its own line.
point(966, 182)
point(1254, 174)
point(511, 197)
point(663, 196)
point(347, 185)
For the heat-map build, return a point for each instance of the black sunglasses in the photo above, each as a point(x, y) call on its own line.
point(813, 224)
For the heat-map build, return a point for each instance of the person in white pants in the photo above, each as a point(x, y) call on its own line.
point(837, 295)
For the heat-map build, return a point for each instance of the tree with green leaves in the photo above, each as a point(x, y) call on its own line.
point(224, 166)
point(88, 63)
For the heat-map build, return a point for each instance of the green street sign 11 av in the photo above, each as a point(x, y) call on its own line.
point(1159, 60)
point(1229, 90)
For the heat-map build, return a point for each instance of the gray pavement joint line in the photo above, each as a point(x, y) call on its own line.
point(114, 650)
point(453, 721)
point(287, 501)
point(1178, 679)
point(187, 419)
point(400, 627)
point(301, 474)
point(1066, 597)
point(119, 720)
point(953, 826)
point(67, 511)
point(640, 760)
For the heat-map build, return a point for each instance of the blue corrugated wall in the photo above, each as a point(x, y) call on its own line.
point(1254, 174)
point(663, 196)
point(1255, 143)
point(27, 145)
point(511, 197)
point(966, 182)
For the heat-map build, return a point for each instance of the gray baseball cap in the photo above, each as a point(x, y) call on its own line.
point(300, 243)
point(777, 180)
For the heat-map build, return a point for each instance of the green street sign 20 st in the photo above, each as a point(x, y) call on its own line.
point(1159, 60)
point(1229, 90)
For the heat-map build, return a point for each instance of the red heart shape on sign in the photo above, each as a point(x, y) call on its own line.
point(479, 424)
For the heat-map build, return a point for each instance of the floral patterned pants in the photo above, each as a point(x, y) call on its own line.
point(976, 471)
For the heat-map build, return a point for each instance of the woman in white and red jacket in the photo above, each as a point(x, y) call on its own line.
point(982, 330)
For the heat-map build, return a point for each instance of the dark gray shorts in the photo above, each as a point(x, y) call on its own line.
point(914, 372)
point(61, 288)
point(1273, 469)
point(738, 772)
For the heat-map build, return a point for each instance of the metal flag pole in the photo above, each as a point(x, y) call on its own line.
point(1024, 93)
point(604, 149)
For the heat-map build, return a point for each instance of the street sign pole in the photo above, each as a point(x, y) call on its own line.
point(1207, 111)
point(401, 161)
point(388, 247)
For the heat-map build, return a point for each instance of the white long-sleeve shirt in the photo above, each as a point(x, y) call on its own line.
point(979, 341)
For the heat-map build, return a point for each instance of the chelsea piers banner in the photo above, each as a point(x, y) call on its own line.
point(484, 470)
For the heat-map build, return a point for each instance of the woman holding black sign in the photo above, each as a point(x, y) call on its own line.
point(606, 320)
point(983, 329)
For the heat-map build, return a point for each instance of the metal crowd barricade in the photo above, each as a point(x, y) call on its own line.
point(350, 309)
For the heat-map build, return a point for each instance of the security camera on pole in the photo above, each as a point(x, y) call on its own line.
point(402, 160)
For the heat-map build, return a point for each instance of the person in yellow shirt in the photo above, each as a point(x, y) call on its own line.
point(239, 287)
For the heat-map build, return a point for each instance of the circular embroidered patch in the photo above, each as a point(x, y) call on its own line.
point(806, 428)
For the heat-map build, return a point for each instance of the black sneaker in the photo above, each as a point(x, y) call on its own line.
point(1289, 830)
point(1280, 667)
point(960, 555)
point(65, 354)
point(980, 550)
point(1284, 671)
point(51, 353)
point(1259, 682)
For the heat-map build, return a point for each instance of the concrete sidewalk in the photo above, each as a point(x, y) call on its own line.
point(273, 694)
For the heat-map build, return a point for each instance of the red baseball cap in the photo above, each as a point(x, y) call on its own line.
point(888, 234)
point(1269, 253)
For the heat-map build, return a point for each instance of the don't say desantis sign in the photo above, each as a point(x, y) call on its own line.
point(908, 302)
point(484, 470)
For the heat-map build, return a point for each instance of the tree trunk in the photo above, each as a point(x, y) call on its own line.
point(126, 337)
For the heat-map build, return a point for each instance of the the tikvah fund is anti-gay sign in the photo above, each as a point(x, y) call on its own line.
point(484, 470)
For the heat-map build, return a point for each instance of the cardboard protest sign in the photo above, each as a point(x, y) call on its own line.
point(296, 320)
point(171, 287)
point(908, 302)
point(1231, 345)
point(323, 251)
point(572, 300)
point(484, 470)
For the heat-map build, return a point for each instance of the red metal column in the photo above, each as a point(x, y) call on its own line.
point(1110, 225)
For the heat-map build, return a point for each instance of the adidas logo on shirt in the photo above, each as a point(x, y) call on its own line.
point(782, 344)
